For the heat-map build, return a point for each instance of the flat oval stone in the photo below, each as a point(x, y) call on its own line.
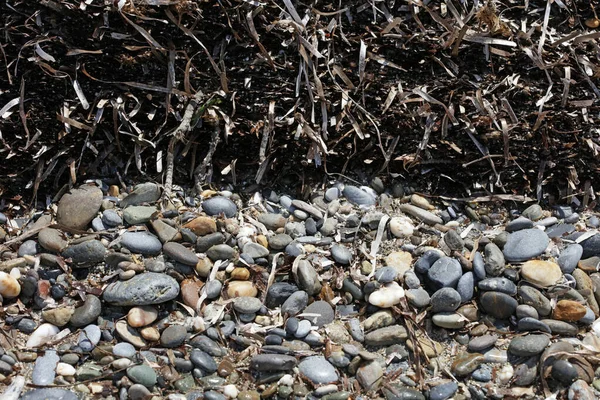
point(147, 192)
point(357, 196)
point(219, 204)
point(445, 272)
point(561, 327)
point(534, 298)
point(341, 254)
point(421, 214)
point(143, 289)
point(532, 324)
point(498, 305)
point(569, 310)
point(180, 253)
point(86, 253)
point(525, 244)
point(501, 285)
point(569, 258)
point(324, 314)
point(449, 320)
point(527, 346)
point(541, 273)
point(318, 370)
point(77, 208)
point(480, 343)
point(88, 312)
point(272, 362)
point(247, 305)
point(386, 336)
point(445, 300)
point(173, 336)
point(142, 243)
point(52, 240)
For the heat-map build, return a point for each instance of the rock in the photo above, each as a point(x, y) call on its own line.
point(445, 272)
point(142, 374)
point(203, 360)
point(86, 253)
point(49, 394)
point(28, 248)
point(341, 254)
point(569, 310)
point(534, 298)
point(449, 320)
point(173, 336)
point(388, 296)
point(144, 289)
point(219, 204)
point(241, 289)
point(308, 279)
point(52, 240)
point(399, 260)
point(180, 253)
point(58, 316)
point(357, 196)
point(204, 243)
point(143, 193)
point(561, 327)
point(533, 212)
point(123, 349)
point(272, 221)
point(137, 215)
point(247, 305)
point(308, 208)
point(591, 246)
point(425, 216)
point(318, 370)
point(111, 219)
point(141, 316)
point(454, 241)
point(480, 343)
point(129, 334)
point(386, 275)
point(564, 372)
point(78, 207)
point(498, 305)
point(272, 362)
point(401, 227)
point(519, 224)
point(580, 390)
point(443, 391)
point(322, 309)
point(465, 363)
point(502, 285)
point(445, 300)
point(87, 313)
point(44, 369)
point(279, 292)
point(527, 346)
point(526, 244)
point(89, 337)
point(569, 258)
point(494, 260)
point(221, 252)
point(370, 375)
point(466, 286)
point(386, 336)
point(141, 242)
point(9, 286)
point(164, 231)
point(41, 335)
point(541, 273)
point(419, 298)
point(202, 226)
point(255, 250)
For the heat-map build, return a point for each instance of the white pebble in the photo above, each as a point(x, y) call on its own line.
point(505, 374)
point(15, 273)
point(286, 380)
point(42, 334)
point(65, 369)
point(230, 391)
point(9, 286)
point(121, 363)
point(13, 392)
point(388, 296)
point(401, 227)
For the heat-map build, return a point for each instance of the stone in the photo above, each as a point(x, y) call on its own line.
point(341, 254)
point(272, 362)
point(201, 226)
point(449, 320)
point(308, 279)
point(52, 240)
point(323, 311)
point(89, 337)
point(123, 349)
point(143, 243)
point(386, 336)
point(241, 289)
point(480, 343)
point(580, 390)
point(465, 363)
point(445, 272)
point(138, 215)
point(129, 334)
point(389, 295)
point(443, 391)
point(534, 298)
point(247, 305)
point(48, 394)
point(78, 207)
point(529, 345)
point(28, 248)
point(204, 243)
point(143, 289)
point(370, 375)
point(519, 224)
point(525, 244)
point(318, 370)
point(569, 310)
point(221, 252)
point(401, 227)
point(502, 285)
point(533, 212)
point(173, 336)
point(44, 369)
point(564, 372)
point(180, 253)
point(465, 286)
point(141, 316)
point(142, 374)
point(494, 260)
point(86, 253)
point(143, 193)
point(41, 335)
point(111, 219)
point(399, 260)
point(419, 297)
point(219, 204)
point(358, 197)
point(445, 300)
point(272, 221)
point(453, 240)
point(541, 273)
point(9, 286)
point(88, 312)
point(498, 305)
point(561, 327)
point(532, 324)
point(164, 231)
point(203, 360)
point(386, 275)
point(420, 214)
point(570, 257)
point(308, 208)
point(255, 250)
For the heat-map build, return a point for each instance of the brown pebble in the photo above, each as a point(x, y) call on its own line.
point(202, 226)
point(225, 368)
point(241, 289)
point(189, 291)
point(113, 190)
point(240, 274)
point(569, 310)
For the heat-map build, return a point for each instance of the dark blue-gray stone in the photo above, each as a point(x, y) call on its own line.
point(318, 370)
point(86, 253)
point(142, 243)
point(591, 246)
point(427, 260)
point(203, 360)
point(532, 324)
point(466, 286)
point(443, 391)
point(49, 394)
point(445, 272)
point(502, 285)
point(143, 289)
point(219, 204)
point(357, 196)
point(569, 258)
point(526, 244)
point(445, 300)
point(143, 193)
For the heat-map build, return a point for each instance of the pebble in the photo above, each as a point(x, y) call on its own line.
point(445, 300)
point(445, 272)
point(173, 336)
point(44, 369)
point(41, 335)
point(87, 313)
point(142, 374)
point(144, 289)
point(529, 345)
point(219, 204)
point(86, 253)
point(78, 207)
point(421, 214)
point(123, 349)
point(272, 362)
point(318, 370)
point(541, 273)
point(147, 192)
point(141, 242)
point(52, 240)
point(388, 296)
point(141, 316)
point(569, 258)
point(443, 391)
point(370, 375)
point(9, 286)
point(525, 244)
point(497, 304)
point(358, 196)
point(401, 227)
point(341, 254)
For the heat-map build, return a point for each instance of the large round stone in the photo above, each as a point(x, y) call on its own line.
point(77, 208)
point(541, 273)
point(526, 244)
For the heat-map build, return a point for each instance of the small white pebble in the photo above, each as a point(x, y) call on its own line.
point(505, 374)
point(230, 391)
point(230, 268)
point(286, 380)
point(15, 273)
point(65, 369)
